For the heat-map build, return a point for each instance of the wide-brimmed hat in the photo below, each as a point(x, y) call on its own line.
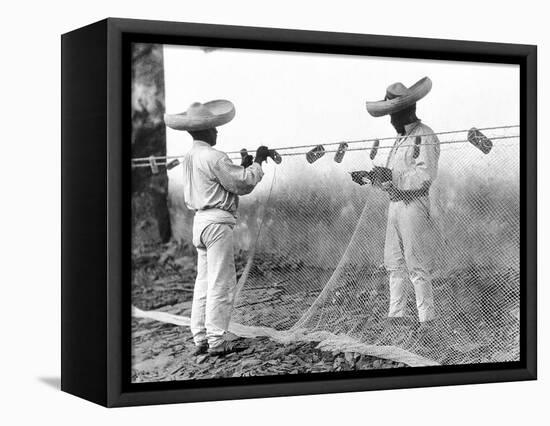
point(399, 97)
point(202, 116)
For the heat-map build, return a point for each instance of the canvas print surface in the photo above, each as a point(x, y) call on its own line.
point(298, 213)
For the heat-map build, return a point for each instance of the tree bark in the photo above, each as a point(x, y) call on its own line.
point(150, 214)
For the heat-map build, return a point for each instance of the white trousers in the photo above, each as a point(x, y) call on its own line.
point(408, 256)
point(213, 295)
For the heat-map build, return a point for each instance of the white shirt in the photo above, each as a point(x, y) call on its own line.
point(413, 173)
point(212, 181)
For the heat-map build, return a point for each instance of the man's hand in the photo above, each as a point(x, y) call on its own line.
point(261, 154)
point(360, 177)
point(247, 161)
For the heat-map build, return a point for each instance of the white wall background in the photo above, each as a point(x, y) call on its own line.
point(287, 99)
point(30, 238)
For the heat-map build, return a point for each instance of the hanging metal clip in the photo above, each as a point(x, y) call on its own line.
point(479, 140)
point(153, 164)
point(374, 149)
point(339, 156)
point(172, 164)
point(275, 156)
point(417, 142)
point(314, 154)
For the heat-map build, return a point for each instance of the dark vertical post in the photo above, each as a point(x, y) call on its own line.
point(149, 190)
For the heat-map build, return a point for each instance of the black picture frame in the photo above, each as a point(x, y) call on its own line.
point(96, 210)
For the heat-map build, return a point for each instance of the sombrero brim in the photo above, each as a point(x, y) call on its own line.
point(222, 113)
point(416, 92)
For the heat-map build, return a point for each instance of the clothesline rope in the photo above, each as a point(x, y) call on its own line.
point(146, 160)
point(290, 154)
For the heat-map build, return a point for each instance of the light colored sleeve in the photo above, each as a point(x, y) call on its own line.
point(237, 179)
point(424, 168)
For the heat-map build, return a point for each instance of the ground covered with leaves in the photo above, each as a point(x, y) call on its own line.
point(163, 279)
point(477, 317)
point(163, 352)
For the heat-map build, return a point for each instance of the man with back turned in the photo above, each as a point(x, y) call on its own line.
point(212, 185)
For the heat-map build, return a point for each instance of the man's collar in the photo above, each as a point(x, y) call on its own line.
point(201, 143)
point(409, 127)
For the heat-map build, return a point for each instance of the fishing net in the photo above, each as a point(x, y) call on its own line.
point(316, 242)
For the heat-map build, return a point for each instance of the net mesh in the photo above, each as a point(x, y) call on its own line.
point(316, 243)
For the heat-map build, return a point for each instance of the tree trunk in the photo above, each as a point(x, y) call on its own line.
point(150, 215)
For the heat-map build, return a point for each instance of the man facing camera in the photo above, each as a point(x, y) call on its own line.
point(413, 161)
point(211, 187)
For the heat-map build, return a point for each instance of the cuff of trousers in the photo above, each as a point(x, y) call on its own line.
point(199, 339)
point(215, 342)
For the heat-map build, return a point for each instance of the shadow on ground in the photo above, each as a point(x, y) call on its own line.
point(54, 382)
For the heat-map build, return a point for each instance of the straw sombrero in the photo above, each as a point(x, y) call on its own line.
point(399, 97)
point(202, 116)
